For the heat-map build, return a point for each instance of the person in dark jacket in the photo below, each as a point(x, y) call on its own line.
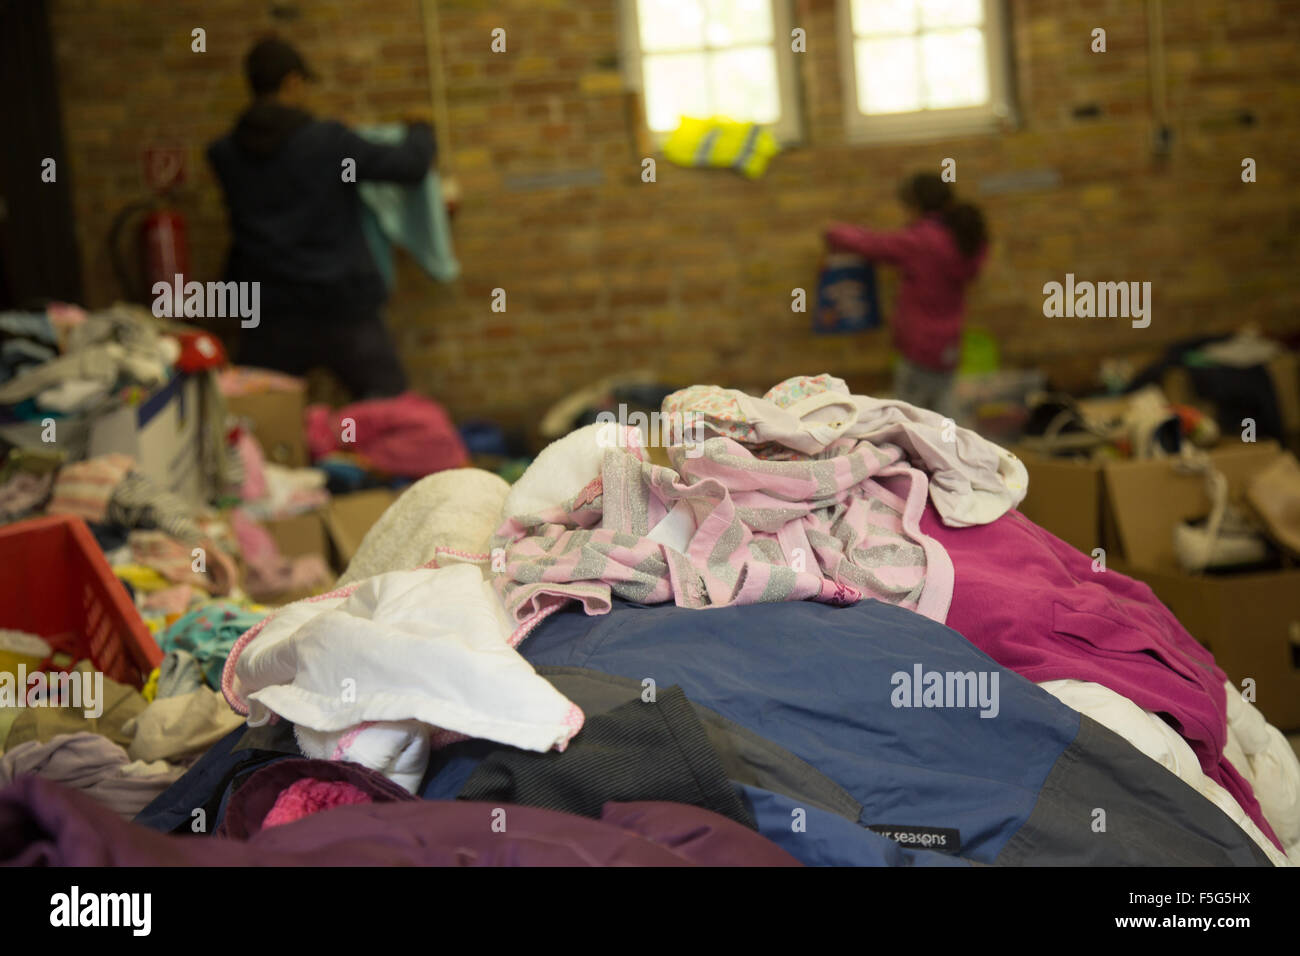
point(296, 220)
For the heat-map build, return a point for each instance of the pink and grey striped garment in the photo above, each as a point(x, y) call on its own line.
point(84, 488)
point(728, 528)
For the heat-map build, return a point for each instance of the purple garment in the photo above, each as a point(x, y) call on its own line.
point(1033, 603)
point(42, 823)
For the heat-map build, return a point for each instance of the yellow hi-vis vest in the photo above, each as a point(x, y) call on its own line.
point(744, 147)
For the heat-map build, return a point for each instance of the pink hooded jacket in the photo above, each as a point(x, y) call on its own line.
point(931, 307)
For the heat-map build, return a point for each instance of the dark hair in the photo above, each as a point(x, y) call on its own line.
point(930, 195)
point(269, 61)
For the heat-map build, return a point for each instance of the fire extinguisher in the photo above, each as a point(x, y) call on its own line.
point(162, 249)
point(164, 252)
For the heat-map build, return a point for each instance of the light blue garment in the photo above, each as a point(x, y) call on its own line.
point(30, 339)
point(29, 325)
point(209, 633)
point(412, 217)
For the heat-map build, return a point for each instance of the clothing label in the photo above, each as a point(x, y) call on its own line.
point(920, 838)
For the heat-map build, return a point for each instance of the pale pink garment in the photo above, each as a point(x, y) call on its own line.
point(246, 380)
point(250, 456)
point(270, 573)
point(84, 488)
point(729, 528)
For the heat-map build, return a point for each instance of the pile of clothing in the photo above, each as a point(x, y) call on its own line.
point(121, 745)
point(172, 555)
point(813, 629)
point(63, 371)
point(65, 360)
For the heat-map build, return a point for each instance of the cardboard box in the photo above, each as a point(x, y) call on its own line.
point(349, 517)
point(276, 418)
point(163, 433)
point(1147, 499)
point(1251, 622)
point(1065, 497)
point(295, 536)
point(299, 534)
point(1285, 374)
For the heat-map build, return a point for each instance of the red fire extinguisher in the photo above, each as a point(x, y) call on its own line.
point(163, 252)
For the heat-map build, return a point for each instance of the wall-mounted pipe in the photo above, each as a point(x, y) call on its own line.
point(437, 80)
point(1163, 134)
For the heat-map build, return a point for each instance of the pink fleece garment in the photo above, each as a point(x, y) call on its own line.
point(304, 797)
point(932, 292)
point(409, 435)
point(1033, 604)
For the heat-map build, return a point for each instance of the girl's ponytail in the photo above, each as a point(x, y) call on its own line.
point(966, 223)
point(930, 195)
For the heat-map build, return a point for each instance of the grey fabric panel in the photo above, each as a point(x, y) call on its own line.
point(1152, 817)
point(747, 758)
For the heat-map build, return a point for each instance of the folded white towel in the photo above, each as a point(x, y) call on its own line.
point(563, 469)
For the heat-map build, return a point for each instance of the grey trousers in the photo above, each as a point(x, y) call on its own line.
point(925, 388)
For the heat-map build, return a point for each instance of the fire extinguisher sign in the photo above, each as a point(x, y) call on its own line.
point(163, 167)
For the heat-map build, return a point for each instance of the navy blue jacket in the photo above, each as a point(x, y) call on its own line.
point(1021, 788)
point(295, 222)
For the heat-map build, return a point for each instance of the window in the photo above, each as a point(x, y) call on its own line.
point(707, 58)
point(923, 68)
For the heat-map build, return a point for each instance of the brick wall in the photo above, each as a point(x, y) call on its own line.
point(692, 274)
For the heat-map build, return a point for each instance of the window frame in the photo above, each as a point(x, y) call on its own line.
point(788, 130)
point(914, 125)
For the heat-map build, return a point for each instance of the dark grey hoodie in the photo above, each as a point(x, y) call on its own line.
point(296, 223)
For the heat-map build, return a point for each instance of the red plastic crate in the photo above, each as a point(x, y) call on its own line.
point(55, 582)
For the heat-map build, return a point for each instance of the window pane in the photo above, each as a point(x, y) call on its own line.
point(671, 24)
point(888, 75)
point(951, 13)
point(956, 72)
point(744, 85)
point(739, 22)
point(884, 16)
point(676, 85)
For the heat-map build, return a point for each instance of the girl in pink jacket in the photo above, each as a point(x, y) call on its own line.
point(939, 252)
